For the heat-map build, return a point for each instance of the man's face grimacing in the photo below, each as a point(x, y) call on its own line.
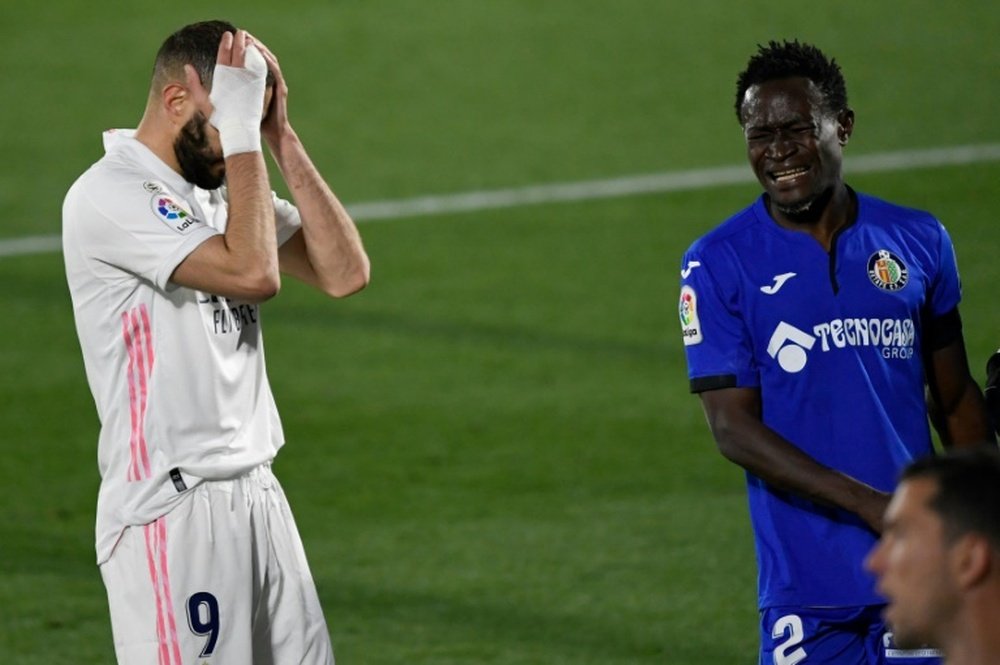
point(912, 563)
point(794, 145)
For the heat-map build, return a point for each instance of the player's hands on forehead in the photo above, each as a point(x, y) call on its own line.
point(276, 110)
point(232, 52)
point(233, 49)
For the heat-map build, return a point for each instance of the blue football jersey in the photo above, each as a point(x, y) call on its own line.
point(833, 341)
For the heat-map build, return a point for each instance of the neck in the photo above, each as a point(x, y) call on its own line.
point(828, 213)
point(154, 133)
point(974, 638)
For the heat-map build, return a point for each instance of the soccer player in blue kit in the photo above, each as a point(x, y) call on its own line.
point(812, 322)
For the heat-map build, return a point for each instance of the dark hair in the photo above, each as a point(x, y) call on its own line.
point(968, 490)
point(196, 45)
point(788, 59)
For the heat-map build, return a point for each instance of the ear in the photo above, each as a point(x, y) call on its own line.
point(176, 103)
point(845, 125)
point(181, 98)
point(971, 560)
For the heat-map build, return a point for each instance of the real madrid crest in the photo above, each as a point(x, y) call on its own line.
point(887, 271)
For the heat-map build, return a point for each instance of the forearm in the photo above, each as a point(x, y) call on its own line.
point(250, 233)
point(762, 452)
point(965, 421)
point(957, 402)
point(242, 263)
point(333, 247)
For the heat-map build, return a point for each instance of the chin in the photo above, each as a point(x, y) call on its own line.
point(793, 208)
point(907, 636)
point(904, 639)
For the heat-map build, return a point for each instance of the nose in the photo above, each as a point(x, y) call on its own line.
point(874, 561)
point(780, 146)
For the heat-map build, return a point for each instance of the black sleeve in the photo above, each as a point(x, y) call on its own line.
point(703, 383)
point(940, 331)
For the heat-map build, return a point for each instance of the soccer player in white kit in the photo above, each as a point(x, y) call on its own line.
point(171, 241)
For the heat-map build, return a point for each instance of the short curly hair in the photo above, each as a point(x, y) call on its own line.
point(786, 59)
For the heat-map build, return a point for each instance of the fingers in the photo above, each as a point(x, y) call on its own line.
point(232, 49)
point(269, 57)
point(263, 48)
point(239, 48)
point(225, 55)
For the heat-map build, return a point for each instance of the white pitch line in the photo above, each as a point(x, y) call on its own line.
point(30, 245)
point(653, 183)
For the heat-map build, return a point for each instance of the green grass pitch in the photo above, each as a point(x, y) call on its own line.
point(492, 454)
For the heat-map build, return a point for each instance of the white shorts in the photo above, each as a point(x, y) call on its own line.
point(221, 579)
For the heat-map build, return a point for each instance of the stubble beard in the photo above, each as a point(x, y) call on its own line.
point(195, 156)
point(805, 210)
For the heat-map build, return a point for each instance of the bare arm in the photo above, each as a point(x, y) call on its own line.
point(960, 410)
point(243, 263)
point(734, 417)
point(327, 252)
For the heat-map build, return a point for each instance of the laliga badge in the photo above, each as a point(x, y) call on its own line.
point(172, 214)
point(688, 310)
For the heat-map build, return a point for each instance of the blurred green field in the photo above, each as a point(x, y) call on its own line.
point(492, 457)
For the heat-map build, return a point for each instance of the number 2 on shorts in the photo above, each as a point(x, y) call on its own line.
point(791, 624)
point(204, 622)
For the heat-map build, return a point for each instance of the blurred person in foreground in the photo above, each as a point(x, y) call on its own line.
point(812, 321)
point(172, 241)
point(938, 561)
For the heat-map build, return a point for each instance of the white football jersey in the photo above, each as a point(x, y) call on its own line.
point(178, 376)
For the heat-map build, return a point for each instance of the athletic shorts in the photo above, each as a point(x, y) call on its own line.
point(834, 636)
point(221, 579)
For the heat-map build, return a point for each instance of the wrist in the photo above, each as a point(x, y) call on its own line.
point(238, 136)
point(280, 140)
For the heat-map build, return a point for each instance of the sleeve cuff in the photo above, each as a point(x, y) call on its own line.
point(943, 330)
point(704, 383)
point(180, 253)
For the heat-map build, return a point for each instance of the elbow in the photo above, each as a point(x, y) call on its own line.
point(352, 281)
point(728, 449)
point(727, 440)
point(261, 287)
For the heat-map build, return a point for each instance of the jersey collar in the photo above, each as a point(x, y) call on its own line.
point(123, 141)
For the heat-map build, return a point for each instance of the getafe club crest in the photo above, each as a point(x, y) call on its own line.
point(173, 214)
point(688, 310)
point(887, 271)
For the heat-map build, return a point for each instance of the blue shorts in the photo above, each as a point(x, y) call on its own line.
point(835, 636)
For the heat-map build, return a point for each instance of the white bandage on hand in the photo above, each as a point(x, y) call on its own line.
point(238, 97)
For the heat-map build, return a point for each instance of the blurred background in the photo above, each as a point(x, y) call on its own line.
point(492, 453)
